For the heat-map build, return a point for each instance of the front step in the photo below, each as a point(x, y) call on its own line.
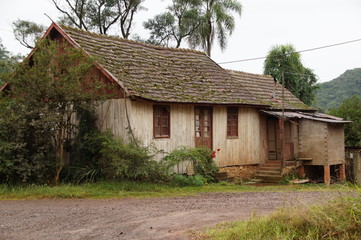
point(270, 171)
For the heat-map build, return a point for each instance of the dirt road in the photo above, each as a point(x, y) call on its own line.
point(152, 218)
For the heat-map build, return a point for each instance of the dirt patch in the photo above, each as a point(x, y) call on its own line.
point(152, 218)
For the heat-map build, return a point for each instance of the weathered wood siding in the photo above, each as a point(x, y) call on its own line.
point(249, 148)
point(251, 145)
point(112, 117)
point(313, 141)
point(336, 145)
point(295, 138)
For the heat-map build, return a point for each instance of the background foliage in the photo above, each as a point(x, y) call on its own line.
point(350, 109)
point(332, 93)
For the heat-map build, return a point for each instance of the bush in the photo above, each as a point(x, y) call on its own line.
point(25, 149)
point(200, 157)
point(114, 159)
point(183, 181)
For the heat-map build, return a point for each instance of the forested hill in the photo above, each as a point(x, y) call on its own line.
point(332, 93)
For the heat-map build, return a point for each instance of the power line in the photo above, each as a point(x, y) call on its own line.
point(306, 50)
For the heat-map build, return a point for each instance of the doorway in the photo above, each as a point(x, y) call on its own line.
point(203, 126)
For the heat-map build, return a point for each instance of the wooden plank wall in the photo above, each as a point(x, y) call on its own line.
point(336, 145)
point(251, 145)
point(295, 138)
point(111, 116)
point(249, 148)
point(181, 123)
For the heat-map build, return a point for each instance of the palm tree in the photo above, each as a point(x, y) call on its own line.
point(215, 20)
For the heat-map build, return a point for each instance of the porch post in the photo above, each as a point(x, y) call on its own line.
point(282, 138)
point(301, 171)
point(282, 124)
point(342, 176)
point(326, 174)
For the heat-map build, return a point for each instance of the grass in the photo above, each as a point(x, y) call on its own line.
point(127, 189)
point(338, 219)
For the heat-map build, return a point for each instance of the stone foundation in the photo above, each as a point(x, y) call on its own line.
point(242, 172)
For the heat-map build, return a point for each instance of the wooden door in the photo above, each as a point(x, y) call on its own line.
point(272, 138)
point(203, 126)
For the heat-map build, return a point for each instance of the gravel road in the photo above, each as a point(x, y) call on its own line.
point(151, 218)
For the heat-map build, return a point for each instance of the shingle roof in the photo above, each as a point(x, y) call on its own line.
point(162, 74)
point(175, 75)
point(267, 91)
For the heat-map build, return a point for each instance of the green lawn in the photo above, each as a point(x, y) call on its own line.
point(126, 189)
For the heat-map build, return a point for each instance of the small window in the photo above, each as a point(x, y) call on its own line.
point(232, 122)
point(161, 121)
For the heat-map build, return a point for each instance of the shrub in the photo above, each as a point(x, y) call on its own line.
point(201, 157)
point(25, 150)
point(182, 181)
point(114, 159)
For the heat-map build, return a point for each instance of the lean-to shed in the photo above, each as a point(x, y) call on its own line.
point(320, 142)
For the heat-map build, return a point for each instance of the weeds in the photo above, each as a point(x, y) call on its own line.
point(338, 219)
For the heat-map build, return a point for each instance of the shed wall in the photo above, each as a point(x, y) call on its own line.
point(336, 145)
point(313, 141)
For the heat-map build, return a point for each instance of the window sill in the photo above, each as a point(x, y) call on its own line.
point(232, 137)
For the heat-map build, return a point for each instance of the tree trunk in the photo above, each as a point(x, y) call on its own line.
point(59, 155)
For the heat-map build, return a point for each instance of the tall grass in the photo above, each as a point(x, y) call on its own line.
point(338, 219)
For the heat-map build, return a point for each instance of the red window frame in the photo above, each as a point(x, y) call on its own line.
point(232, 122)
point(161, 121)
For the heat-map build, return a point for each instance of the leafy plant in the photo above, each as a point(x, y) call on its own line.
point(182, 181)
point(202, 159)
point(115, 159)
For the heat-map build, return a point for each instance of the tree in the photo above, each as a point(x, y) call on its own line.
point(283, 61)
point(180, 21)
point(4, 59)
point(350, 109)
point(27, 32)
point(48, 88)
point(216, 20)
point(99, 15)
point(7, 61)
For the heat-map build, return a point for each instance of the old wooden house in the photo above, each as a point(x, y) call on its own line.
point(177, 97)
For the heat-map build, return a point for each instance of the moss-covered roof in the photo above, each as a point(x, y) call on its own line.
point(175, 75)
point(267, 91)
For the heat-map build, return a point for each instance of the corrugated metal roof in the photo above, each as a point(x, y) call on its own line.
point(312, 116)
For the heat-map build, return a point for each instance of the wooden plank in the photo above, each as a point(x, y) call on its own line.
point(326, 174)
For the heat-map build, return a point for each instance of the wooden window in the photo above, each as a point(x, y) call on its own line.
point(232, 122)
point(161, 121)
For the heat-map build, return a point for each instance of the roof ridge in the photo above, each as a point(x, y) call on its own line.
point(156, 47)
point(248, 73)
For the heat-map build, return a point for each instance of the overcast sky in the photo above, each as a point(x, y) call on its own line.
point(304, 23)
